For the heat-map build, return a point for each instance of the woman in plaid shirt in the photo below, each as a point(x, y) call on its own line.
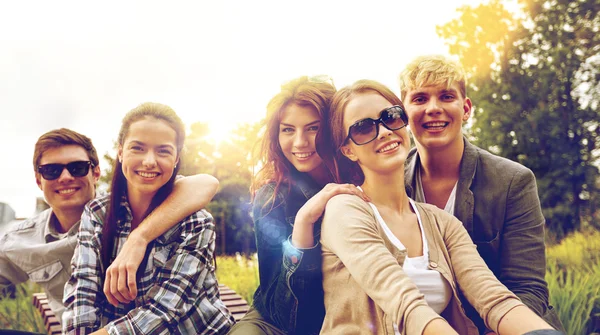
point(176, 283)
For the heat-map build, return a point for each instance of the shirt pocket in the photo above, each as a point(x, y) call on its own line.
point(488, 250)
point(46, 272)
point(161, 256)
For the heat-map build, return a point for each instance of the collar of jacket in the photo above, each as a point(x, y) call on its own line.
point(464, 203)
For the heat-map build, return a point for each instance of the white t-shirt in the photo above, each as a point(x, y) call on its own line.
point(435, 288)
point(420, 195)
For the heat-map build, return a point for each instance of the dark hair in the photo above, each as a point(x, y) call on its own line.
point(345, 170)
point(60, 137)
point(303, 91)
point(118, 185)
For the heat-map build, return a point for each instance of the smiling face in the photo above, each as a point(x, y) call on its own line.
point(67, 193)
point(148, 156)
point(297, 133)
point(388, 151)
point(436, 114)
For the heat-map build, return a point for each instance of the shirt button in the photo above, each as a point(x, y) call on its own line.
point(433, 264)
point(294, 259)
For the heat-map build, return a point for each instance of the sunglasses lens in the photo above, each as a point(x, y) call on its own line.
point(393, 118)
point(78, 169)
point(363, 131)
point(53, 171)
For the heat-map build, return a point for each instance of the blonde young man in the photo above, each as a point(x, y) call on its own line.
point(40, 248)
point(495, 198)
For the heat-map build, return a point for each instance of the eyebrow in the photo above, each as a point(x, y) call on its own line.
point(306, 125)
point(159, 146)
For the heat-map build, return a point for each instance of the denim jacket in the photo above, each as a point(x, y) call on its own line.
point(290, 294)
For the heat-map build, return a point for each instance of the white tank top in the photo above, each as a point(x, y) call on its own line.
point(433, 286)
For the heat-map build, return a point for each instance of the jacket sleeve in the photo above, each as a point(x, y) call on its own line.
point(523, 261)
point(285, 271)
point(477, 282)
point(10, 273)
point(349, 231)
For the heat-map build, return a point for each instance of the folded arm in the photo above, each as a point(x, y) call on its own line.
point(349, 231)
point(189, 195)
point(173, 301)
point(283, 267)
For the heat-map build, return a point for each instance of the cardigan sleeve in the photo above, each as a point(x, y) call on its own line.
point(349, 231)
point(483, 290)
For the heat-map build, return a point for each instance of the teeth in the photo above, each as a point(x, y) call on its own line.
point(388, 147)
point(66, 191)
point(435, 124)
point(303, 154)
point(148, 174)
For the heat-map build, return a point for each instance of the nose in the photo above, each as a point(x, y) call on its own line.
point(433, 106)
point(300, 140)
point(65, 175)
point(149, 159)
point(383, 131)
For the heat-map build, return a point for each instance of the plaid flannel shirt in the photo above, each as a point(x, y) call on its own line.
point(177, 290)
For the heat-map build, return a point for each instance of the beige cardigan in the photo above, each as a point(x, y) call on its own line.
point(366, 290)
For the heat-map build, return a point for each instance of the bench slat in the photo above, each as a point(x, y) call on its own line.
point(233, 301)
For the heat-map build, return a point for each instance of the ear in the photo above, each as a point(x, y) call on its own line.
point(467, 107)
point(96, 173)
point(347, 151)
point(176, 162)
point(120, 154)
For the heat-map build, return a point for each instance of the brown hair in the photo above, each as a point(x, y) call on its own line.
point(345, 170)
point(303, 91)
point(118, 184)
point(432, 70)
point(61, 137)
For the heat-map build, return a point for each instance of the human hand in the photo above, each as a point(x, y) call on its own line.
point(315, 206)
point(120, 284)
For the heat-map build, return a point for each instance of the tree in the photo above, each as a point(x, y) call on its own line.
point(535, 92)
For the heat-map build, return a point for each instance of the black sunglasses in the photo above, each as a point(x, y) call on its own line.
point(366, 130)
point(76, 169)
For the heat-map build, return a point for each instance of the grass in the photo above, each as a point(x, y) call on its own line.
point(18, 313)
point(573, 276)
point(240, 273)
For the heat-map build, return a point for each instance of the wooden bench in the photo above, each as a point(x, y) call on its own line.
point(234, 302)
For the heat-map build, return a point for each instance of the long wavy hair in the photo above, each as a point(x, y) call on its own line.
point(303, 91)
point(345, 170)
point(118, 185)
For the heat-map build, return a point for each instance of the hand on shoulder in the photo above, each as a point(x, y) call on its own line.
point(315, 206)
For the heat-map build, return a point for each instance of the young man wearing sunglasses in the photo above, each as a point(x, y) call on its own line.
point(40, 248)
point(495, 198)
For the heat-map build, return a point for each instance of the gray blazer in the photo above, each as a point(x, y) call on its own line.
point(497, 202)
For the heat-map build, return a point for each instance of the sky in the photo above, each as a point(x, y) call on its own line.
point(83, 65)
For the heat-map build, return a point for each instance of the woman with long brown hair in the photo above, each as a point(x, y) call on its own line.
point(176, 283)
point(289, 196)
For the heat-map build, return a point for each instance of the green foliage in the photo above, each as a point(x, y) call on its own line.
point(536, 97)
point(19, 313)
point(573, 276)
point(239, 273)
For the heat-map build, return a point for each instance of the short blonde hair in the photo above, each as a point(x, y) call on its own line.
point(432, 70)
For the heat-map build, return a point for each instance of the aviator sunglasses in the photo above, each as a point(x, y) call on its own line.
point(366, 130)
point(53, 171)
